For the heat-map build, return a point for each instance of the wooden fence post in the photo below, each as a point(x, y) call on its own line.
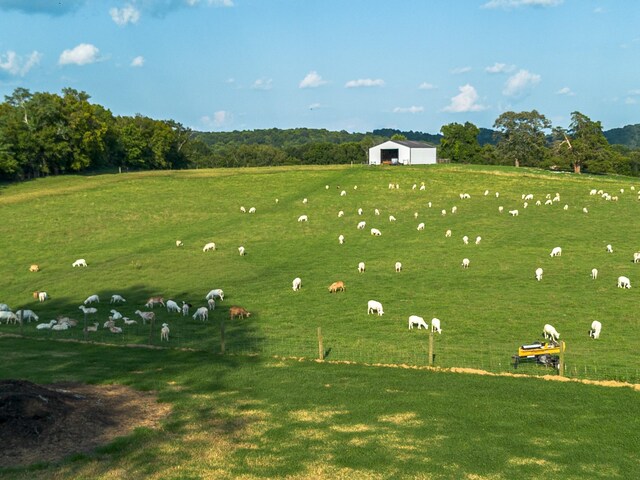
point(86, 334)
point(222, 346)
point(430, 347)
point(151, 322)
point(320, 346)
point(561, 364)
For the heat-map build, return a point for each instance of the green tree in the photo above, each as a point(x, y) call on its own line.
point(522, 137)
point(459, 143)
point(589, 147)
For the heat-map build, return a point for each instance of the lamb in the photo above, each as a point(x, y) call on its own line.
point(335, 286)
point(415, 320)
point(398, 267)
point(252, 210)
point(303, 218)
point(179, 243)
point(173, 306)
point(376, 211)
point(146, 316)
point(116, 315)
point(185, 308)
point(500, 209)
point(343, 193)
point(88, 310)
point(114, 329)
point(91, 328)
point(596, 328)
point(236, 311)
point(164, 332)
point(8, 317)
point(92, 299)
point(211, 303)
point(392, 218)
point(243, 210)
point(624, 282)
point(359, 211)
point(556, 252)
point(374, 306)
point(594, 273)
point(209, 246)
point(420, 226)
point(435, 325)
point(4, 307)
point(152, 301)
point(34, 268)
point(340, 213)
point(241, 251)
point(215, 293)
point(514, 213)
point(361, 267)
point(128, 321)
point(465, 240)
point(478, 240)
point(375, 232)
point(296, 284)
point(609, 249)
point(117, 299)
point(361, 225)
point(550, 333)
point(202, 313)
point(41, 296)
point(60, 326)
point(636, 257)
point(46, 326)
point(341, 239)
point(27, 315)
point(81, 262)
point(539, 272)
point(447, 234)
point(465, 263)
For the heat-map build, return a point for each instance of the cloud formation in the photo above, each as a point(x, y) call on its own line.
point(509, 4)
point(47, 7)
point(14, 64)
point(365, 82)
point(220, 118)
point(426, 86)
point(127, 14)
point(312, 80)
point(565, 91)
point(465, 101)
point(82, 54)
point(459, 70)
point(411, 109)
point(262, 84)
point(520, 83)
point(500, 68)
point(137, 61)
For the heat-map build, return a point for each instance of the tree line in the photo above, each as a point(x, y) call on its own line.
point(49, 134)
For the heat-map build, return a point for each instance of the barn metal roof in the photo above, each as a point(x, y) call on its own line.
point(414, 144)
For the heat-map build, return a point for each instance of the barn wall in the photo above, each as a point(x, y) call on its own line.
point(423, 156)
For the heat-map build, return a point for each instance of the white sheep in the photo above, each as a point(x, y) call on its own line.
point(624, 282)
point(465, 240)
point(128, 321)
point(514, 213)
point(8, 317)
point(341, 239)
point(465, 263)
point(478, 240)
point(202, 313)
point(454, 209)
point(361, 267)
point(539, 272)
point(596, 328)
point(179, 243)
point(296, 284)
point(305, 201)
point(444, 212)
point(497, 194)
point(550, 333)
point(114, 329)
point(91, 328)
point(81, 262)
point(116, 315)
point(420, 226)
point(241, 251)
point(609, 249)
point(525, 205)
point(556, 252)
point(636, 257)
point(500, 209)
point(215, 293)
point(172, 306)
point(88, 310)
point(375, 232)
point(361, 225)
point(42, 296)
point(392, 218)
point(398, 267)
point(92, 299)
point(27, 315)
point(185, 308)
point(243, 210)
point(566, 207)
point(416, 321)
point(374, 306)
point(447, 234)
point(429, 204)
point(209, 246)
point(252, 210)
point(340, 213)
point(435, 325)
point(303, 218)
point(211, 304)
point(376, 212)
point(115, 298)
point(150, 316)
point(414, 186)
point(594, 273)
point(359, 211)
point(343, 193)
point(164, 332)
point(46, 326)
point(422, 188)
point(60, 326)
point(4, 307)
point(486, 192)
point(415, 215)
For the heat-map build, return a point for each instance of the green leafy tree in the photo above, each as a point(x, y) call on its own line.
point(589, 147)
point(522, 137)
point(459, 143)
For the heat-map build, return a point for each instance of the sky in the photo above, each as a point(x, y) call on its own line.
point(354, 65)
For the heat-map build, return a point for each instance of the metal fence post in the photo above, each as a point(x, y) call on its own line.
point(320, 346)
point(430, 347)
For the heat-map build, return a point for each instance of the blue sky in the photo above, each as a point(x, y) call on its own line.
point(355, 65)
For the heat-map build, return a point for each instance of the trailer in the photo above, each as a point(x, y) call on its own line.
point(547, 354)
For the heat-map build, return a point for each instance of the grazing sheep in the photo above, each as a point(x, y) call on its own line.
point(465, 240)
point(454, 209)
point(46, 326)
point(444, 212)
point(376, 212)
point(92, 299)
point(420, 226)
point(341, 239)
point(422, 188)
point(116, 315)
point(34, 268)
point(340, 214)
point(209, 246)
point(435, 325)
point(91, 328)
point(361, 225)
point(146, 316)
point(179, 243)
point(593, 192)
point(596, 328)
point(539, 272)
point(609, 249)
point(8, 317)
point(241, 251)
point(486, 192)
point(361, 267)
point(391, 186)
point(429, 204)
point(296, 284)
point(465, 263)
point(335, 286)
point(416, 321)
point(624, 282)
point(153, 301)
point(550, 333)
point(529, 196)
point(556, 252)
point(252, 210)
point(414, 186)
point(41, 296)
point(594, 273)
point(211, 304)
point(447, 234)
point(81, 262)
point(4, 307)
point(243, 210)
point(375, 232)
point(359, 211)
point(202, 313)
point(117, 299)
point(392, 218)
point(355, 187)
point(566, 207)
point(478, 240)
point(500, 209)
point(374, 306)
point(27, 315)
point(497, 194)
point(415, 215)
point(164, 332)
point(525, 205)
point(172, 306)
point(305, 201)
point(398, 267)
point(88, 310)
point(343, 193)
point(215, 293)
point(303, 218)
point(236, 311)
point(636, 257)
point(185, 308)
point(514, 213)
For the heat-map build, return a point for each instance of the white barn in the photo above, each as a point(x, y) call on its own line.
point(403, 152)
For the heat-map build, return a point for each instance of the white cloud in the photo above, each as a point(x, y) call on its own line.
point(365, 82)
point(127, 14)
point(411, 109)
point(426, 86)
point(312, 80)
point(565, 91)
point(630, 100)
point(213, 3)
point(500, 68)
point(314, 106)
point(459, 70)
point(262, 84)
point(508, 4)
point(220, 118)
point(599, 10)
point(14, 64)
point(138, 61)
point(465, 101)
point(519, 83)
point(635, 91)
point(80, 55)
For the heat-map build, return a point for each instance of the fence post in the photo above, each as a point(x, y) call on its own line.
point(561, 364)
point(151, 322)
point(430, 347)
point(320, 346)
point(222, 337)
point(86, 334)
point(21, 324)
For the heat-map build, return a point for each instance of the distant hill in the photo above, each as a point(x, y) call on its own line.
point(629, 136)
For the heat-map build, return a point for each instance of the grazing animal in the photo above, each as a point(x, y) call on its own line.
point(596, 328)
point(341, 239)
point(444, 212)
point(114, 329)
point(343, 193)
point(465, 240)
point(392, 218)
point(376, 211)
point(335, 286)
point(359, 211)
point(211, 303)
point(420, 226)
point(116, 315)
point(4, 307)
point(361, 267)
point(539, 273)
point(435, 325)
point(241, 251)
point(398, 267)
point(303, 218)
point(8, 317)
point(215, 293)
point(146, 316)
point(60, 326)
point(92, 299)
point(624, 282)
point(465, 263)
point(41, 296)
point(236, 311)
point(296, 284)
point(304, 200)
point(173, 306)
point(454, 209)
point(514, 213)
point(88, 310)
point(185, 308)
point(252, 210)
point(164, 332)
point(550, 333)
point(128, 321)
point(81, 262)
point(209, 246)
point(34, 268)
point(152, 301)
point(179, 243)
point(202, 313)
point(636, 257)
point(478, 240)
point(594, 273)
point(609, 249)
point(415, 215)
point(556, 252)
point(416, 321)
point(361, 225)
point(375, 232)
point(500, 209)
point(447, 234)
point(27, 315)
point(340, 213)
point(374, 306)
point(243, 210)
point(117, 298)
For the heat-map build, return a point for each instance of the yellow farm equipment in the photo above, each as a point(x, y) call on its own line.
point(547, 354)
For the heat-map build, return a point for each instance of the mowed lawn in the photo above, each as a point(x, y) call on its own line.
point(126, 226)
point(263, 417)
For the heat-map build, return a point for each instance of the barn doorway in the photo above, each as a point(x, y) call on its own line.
point(389, 156)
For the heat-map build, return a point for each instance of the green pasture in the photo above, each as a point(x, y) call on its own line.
point(240, 417)
point(126, 226)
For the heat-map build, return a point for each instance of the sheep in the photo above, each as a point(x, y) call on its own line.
point(556, 252)
point(340, 213)
point(296, 284)
point(454, 209)
point(397, 186)
point(341, 239)
point(4, 307)
point(41, 296)
point(392, 218)
point(444, 212)
point(539, 272)
point(375, 232)
point(116, 315)
point(594, 273)
point(91, 328)
point(202, 313)
point(538, 203)
point(497, 194)
point(422, 188)
point(305, 201)
point(391, 186)
point(209, 246)
point(359, 211)
point(486, 192)
point(326, 187)
point(211, 304)
point(173, 306)
point(343, 193)
point(8, 317)
point(550, 333)
point(420, 226)
point(164, 332)
point(88, 310)
point(303, 218)
point(46, 326)
point(596, 328)
point(81, 262)
point(109, 323)
point(355, 187)
point(27, 315)
point(566, 207)
point(236, 311)
point(185, 308)
point(514, 213)
point(114, 329)
point(376, 212)
point(429, 204)
point(215, 293)
point(447, 234)
point(609, 249)
point(153, 301)
point(593, 192)
point(335, 286)
point(128, 321)
point(478, 240)
point(115, 298)
point(415, 215)
point(60, 326)
point(361, 267)
point(500, 209)
point(179, 243)
point(361, 225)
point(415, 320)
point(241, 251)
point(624, 282)
point(146, 316)
point(525, 205)
point(92, 299)
point(414, 186)
point(34, 268)
point(243, 210)
point(465, 263)
point(398, 267)
point(529, 196)
point(252, 210)
point(69, 321)
point(465, 240)
point(374, 306)
point(435, 325)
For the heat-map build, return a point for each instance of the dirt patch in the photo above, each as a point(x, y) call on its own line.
point(44, 423)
